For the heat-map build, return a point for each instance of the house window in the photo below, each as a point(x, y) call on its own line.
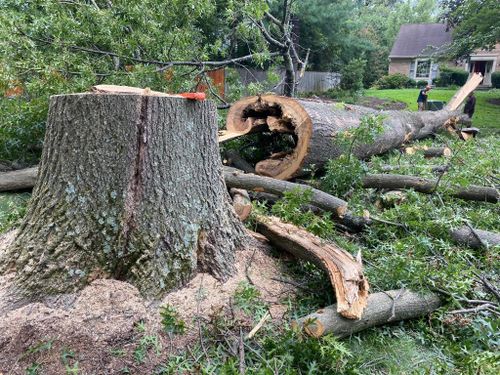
point(423, 69)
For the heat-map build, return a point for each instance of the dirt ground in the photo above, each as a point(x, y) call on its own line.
point(98, 330)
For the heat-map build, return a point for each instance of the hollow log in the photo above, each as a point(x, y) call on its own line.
point(345, 272)
point(466, 236)
point(22, 179)
point(424, 185)
point(315, 124)
point(382, 308)
point(124, 192)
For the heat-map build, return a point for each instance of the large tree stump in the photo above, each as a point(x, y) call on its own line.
point(314, 126)
point(130, 187)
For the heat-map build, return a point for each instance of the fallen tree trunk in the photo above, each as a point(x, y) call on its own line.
point(382, 308)
point(345, 272)
point(314, 126)
point(234, 159)
point(476, 238)
point(21, 179)
point(424, 185)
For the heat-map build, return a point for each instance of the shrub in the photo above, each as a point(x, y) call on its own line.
point(421, 83)
point(394, 81)
point(352, 76)
point(451, 76)
point(495, 80)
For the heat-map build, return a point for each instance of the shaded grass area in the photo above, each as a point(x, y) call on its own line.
point(487, 115)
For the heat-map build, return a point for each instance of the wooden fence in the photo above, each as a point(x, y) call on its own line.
point(310, 82)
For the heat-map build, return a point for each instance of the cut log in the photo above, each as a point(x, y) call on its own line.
point(466, 236)
point(382, 308)
point(429, 152)
point(314, 126)
point(345, 272)
point(253, 182)
point(124, 192)
point(423, 185)
point(241, 203)
point(21, 179)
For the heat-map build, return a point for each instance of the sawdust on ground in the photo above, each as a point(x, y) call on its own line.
point(99, 329)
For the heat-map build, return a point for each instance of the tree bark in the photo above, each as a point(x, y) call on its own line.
point(382, 308)
point(466, 236)
point(315, 124)
point(345, 272)
point(423, 185)
point(429, 152)
point(124, 192)
point(241, 203)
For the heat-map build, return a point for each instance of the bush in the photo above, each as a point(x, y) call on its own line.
point(421, 83)
point(451, 76)
point(394, 81)
point(495, 80)
point(352, 76)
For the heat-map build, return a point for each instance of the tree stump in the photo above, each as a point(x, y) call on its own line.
point(130, 187)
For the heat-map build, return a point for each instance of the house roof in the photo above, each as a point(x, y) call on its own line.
point(420, 39)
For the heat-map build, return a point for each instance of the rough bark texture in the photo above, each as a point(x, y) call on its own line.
point(424, 185)
point(315, 124)
point(18, 180)
point(345, 272)
point(429, 152)
point(124, 192)
point(466, 236)
point(382, 308)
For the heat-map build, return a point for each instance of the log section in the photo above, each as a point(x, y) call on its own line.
point(382, 308)
point(314, 126)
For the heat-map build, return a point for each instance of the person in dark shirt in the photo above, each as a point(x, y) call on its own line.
point(470, 105)
point(422, 98)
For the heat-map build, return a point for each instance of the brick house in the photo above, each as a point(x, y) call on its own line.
point(416, 44)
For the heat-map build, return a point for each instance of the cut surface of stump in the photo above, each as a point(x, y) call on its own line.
point(313, 126)
point(129, 187)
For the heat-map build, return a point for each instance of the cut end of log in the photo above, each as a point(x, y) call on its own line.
point(275, 114)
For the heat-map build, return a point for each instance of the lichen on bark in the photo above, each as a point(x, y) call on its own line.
point(129, 187)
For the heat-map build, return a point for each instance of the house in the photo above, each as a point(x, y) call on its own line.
point(416, 44)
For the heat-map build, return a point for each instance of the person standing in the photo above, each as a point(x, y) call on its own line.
point(470, 105)
point(422, 98)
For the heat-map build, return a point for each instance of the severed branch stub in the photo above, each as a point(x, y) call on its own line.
point(382, 308)
point(345, 272)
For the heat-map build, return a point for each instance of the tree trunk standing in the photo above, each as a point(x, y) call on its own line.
point(314, 126)
point(130, 187)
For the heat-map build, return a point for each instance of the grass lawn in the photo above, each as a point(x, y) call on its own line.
point(487, 115)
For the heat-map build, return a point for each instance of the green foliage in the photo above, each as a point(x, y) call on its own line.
point(171, 321)
point(394, 81)
point(146, 343)
point(68, 358)
point(421, 84)
point(342, 174)
point(495, 80)
point(352, 76)
point(451, 76)
point(248, 299)
point(12, 209)
point(474, 22)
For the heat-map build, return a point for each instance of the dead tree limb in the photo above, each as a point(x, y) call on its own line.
point(345, 272)
point(382, 308)
point(424, 185)
point(21, 179)
point(466, 236)
point(241, 203)
point(429, 152)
